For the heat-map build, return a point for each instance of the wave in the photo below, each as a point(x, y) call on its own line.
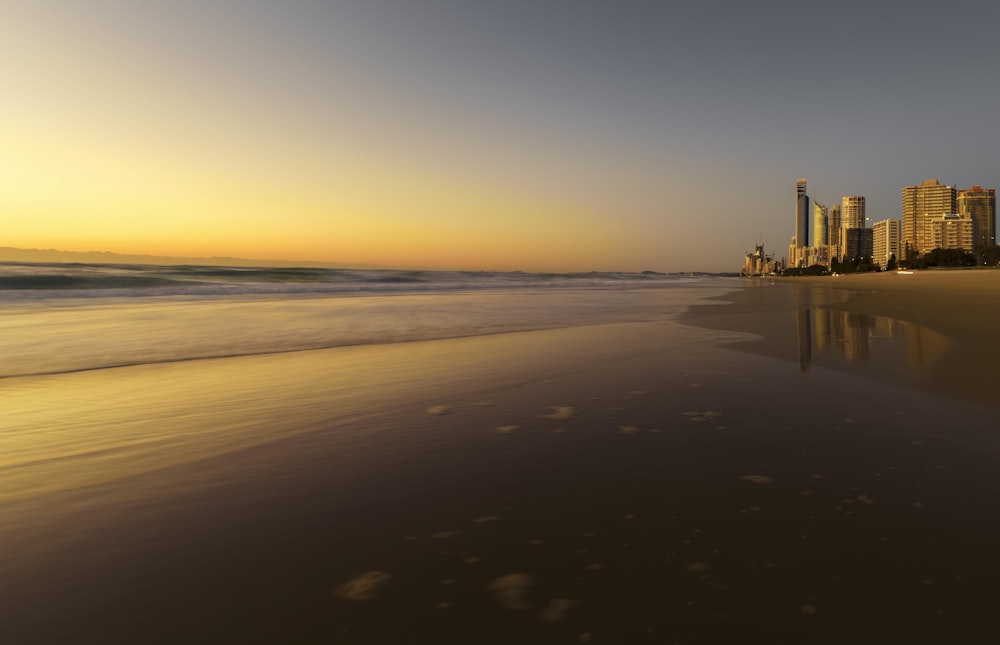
point(69, 318)
point(62, 281)
point(54, 280)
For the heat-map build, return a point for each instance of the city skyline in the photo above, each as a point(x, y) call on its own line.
point(558, 136)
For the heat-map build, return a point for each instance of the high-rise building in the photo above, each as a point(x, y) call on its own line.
point(801, 214)
point(759, 263)
point(953, 231)
point(853, 242)
point(885, 241)
point(833, 233)
point(920, 205)
point(852, 211)
point(857, 243)
point(981, 205)
point(819, 225)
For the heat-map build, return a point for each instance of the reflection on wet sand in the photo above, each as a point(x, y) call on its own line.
point(853, 337)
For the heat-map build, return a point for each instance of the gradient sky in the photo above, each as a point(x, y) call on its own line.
point(561, 135)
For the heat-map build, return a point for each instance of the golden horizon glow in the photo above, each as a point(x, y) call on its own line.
point(125, 146)
point(77, 194)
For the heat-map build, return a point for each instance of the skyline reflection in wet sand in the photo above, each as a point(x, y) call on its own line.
point(858, 338)
point(812, 327)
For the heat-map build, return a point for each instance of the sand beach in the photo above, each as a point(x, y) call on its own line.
point(753, 470)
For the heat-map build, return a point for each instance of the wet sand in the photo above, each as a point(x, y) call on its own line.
point(947, 322)
point(628, 483)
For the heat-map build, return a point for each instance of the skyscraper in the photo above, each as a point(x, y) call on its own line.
point(852, 211)
point(801, 214)
point(819, 225)
point(858, 243)
point(853, 241)
point(980, 204)
point(833, 232)
point(920, 205)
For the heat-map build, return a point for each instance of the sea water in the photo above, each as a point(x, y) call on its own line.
point(107, 371)
point(57, 318)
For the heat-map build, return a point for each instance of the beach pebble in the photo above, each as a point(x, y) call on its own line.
point(486, 518)
point(444, 535)
point(628, 429)
point(439, 410)
point(512, 590)
point(364, 587)
point(505, 429)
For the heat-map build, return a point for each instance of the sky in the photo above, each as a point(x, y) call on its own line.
point(560, 135)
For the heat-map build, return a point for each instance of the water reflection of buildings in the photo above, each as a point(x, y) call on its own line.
point(851, 335)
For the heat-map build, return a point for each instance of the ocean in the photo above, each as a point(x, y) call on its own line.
point(57, 318)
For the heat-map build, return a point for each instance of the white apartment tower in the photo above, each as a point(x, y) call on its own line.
point(885, 241)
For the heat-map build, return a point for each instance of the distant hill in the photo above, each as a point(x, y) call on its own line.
point(11, 254)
